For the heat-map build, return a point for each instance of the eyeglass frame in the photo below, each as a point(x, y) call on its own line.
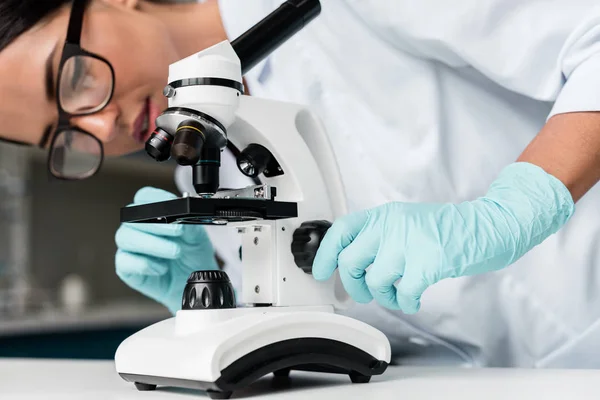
point(72, 48)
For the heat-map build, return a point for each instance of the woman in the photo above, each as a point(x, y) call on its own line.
point(436, 101)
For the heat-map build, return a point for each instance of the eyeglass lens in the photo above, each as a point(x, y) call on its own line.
point(85, 85)
point(75, 154)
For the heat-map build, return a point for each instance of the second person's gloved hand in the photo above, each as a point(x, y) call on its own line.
point(157, 259)
point(407, 247)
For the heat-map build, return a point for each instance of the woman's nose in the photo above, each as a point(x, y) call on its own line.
point(102, 124)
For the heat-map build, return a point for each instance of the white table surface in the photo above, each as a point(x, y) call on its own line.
point(96, 380)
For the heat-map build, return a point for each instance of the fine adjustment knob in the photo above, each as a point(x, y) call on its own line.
point(253, 160)
point(208, 290)
point(305, 243)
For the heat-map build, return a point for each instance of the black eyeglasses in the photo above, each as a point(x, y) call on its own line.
point(84, 86)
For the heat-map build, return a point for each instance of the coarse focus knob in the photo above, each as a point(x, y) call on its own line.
point(305, 243)
point(208, 290)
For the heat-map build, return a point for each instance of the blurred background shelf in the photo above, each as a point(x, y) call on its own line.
point(60, 335)
point(118, 315)
point(59, 294)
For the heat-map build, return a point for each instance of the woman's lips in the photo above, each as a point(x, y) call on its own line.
point(153, 112)
point(145, 123)
point(140, 126)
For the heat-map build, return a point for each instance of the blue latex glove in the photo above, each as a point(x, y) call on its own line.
point(410, 246)
point(157, 259)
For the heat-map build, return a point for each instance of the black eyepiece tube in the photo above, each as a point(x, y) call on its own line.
point(272, 31)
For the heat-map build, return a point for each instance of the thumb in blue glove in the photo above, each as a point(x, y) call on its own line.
point(157, 259)
point(394, 252)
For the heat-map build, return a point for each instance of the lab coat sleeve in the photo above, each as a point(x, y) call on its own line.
point(546, 50)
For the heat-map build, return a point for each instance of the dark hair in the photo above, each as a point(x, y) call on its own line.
point(18, 16)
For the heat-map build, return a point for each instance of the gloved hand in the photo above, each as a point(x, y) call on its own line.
point(157, 259)
point(420, 244)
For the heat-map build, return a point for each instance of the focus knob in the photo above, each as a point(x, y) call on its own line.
point(306, 241)
point(208, 290)
point(253, 160)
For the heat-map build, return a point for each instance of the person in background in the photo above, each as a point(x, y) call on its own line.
point(465, 133)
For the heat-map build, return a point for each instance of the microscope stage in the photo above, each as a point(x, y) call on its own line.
point(197, 210)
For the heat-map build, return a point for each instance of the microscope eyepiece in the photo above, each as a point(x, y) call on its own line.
point(272, 31)
point(158, 146)
point(189, 140)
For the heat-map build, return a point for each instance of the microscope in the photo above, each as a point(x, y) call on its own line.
point(285, 320)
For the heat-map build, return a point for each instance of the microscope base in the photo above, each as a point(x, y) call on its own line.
point(221, 351)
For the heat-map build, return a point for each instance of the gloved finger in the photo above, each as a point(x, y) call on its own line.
point(134, 281)
point(131, 263)
point(339, 236)
point(194, 234)
point(134, 241)
point(409, 291)
point(170, 230)
point(189, 233)
point(353, 262)
point(148, 285)
point(150, 194)
point(387, 268)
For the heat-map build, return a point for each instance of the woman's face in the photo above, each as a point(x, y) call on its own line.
point(135, 43)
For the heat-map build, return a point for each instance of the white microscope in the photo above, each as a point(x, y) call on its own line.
point(288, 320)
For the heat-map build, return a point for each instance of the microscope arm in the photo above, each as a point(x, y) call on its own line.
point(310, 179)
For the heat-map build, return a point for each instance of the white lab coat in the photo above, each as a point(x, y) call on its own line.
point(427, 101)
